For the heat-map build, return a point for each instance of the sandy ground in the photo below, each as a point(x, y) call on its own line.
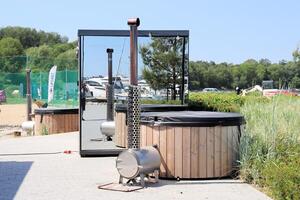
point(12, 114)
point(11, 117)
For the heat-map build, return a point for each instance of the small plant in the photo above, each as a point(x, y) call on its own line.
point(45, 130)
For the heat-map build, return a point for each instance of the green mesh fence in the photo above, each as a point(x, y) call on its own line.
point(14, 84)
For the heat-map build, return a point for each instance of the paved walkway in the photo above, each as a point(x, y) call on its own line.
point(67, 176)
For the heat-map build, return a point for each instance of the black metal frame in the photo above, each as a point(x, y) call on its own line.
point(115, 33)
point(141, 33)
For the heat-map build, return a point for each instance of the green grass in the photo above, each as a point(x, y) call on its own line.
point(15, 100)
point(54, 103)
point(270, 146)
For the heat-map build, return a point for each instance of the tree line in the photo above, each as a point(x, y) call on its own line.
point(203, 74)
point(39, 50)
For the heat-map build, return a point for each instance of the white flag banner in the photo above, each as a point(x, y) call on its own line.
point(51, 83)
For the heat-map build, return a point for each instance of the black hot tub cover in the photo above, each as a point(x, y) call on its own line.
point(153, 107)
point(42, 111)
point(192, 118)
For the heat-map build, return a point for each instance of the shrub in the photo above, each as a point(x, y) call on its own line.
point(282, 175)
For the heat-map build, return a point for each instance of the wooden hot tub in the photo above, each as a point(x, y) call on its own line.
point(55, 120)
point(121, 118)
point(193, 144)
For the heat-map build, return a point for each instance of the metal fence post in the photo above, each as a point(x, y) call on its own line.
point(28, 94)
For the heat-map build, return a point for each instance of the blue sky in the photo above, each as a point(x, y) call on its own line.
point(231, 30)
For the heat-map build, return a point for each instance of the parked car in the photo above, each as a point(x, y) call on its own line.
point(2, 96)
point(95, 88)
point(210, 90)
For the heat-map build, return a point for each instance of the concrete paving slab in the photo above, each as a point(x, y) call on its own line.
point(68, 176)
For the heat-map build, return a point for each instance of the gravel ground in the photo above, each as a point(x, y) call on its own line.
point(49, 174)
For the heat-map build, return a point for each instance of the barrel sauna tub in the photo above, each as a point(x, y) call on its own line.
point(193, 145)
point(121, 118)
point(55, 120)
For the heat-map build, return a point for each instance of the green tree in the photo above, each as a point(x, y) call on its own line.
point(30, 37)
point(40, 58)
point(66, 60)
point(162, 60)
point(11, 53)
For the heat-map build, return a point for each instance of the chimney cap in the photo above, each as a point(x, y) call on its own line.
point(109, 50)
point(133, 22)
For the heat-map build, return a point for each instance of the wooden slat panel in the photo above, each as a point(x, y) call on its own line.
point(149, 135)
point(217, 152)
point(178, 152)
point(73, 122)
point(56, 124)
point(235, 147)
point(229, 144)
point(126, 135)
point(202, 152)
point(37, 125)
point(210, 152)
point(46, 124)
point(171, 151)
point(186, 152)
point(125, 130)
point(122, 130)
point(194, 152)
point(68, 123)
point(155, 135)
point(62, 127)
point(77, 122)
point(224, 151)
point(163, 150)
point(65, 124)
point(52, 124)
point(70, 127)
point(117, 135)
point(143, 136)
point(120, 138)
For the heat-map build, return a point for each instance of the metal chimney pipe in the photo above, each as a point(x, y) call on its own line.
point(28, 94)
point(110, 88)
point(133, 109)
point(133, 23)
point(109, 54)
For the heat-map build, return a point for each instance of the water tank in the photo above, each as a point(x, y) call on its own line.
point(108, 128)
point(28, 126)
point(133, 162)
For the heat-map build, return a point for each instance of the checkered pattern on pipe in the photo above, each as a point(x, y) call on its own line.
point(110, 102)
point(133, 117)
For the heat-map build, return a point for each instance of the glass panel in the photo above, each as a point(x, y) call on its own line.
point(95, 79)
point(162, 76)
